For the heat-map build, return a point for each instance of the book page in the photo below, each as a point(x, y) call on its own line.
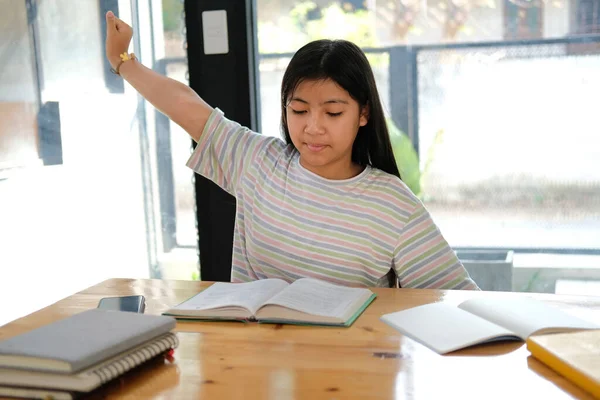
point(250, 295)
point(524, 315)
point(445, 328)
point(319, 298)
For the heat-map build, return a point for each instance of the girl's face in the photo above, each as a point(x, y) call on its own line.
point(323, 121)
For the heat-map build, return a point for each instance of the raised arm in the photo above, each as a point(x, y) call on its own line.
point(174, 99)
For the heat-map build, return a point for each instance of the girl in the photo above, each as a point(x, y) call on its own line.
point(327, 202)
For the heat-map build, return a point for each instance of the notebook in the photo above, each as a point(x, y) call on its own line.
point(45, 383)
point(445, 328)
point(41, 394)
point(306, 301)
point(77, 342)
point(574, 355)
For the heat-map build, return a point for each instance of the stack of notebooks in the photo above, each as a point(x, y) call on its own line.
point(76, 355)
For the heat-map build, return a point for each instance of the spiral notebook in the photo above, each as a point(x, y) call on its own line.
point(93, 377)
point(82, 352)
point(74, 343)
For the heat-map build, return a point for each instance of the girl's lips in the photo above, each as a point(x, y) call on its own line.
point(315, 147)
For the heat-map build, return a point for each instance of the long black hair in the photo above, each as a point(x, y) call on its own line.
point(344, 63)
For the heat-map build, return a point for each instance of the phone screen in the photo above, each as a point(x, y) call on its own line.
point(124, 303)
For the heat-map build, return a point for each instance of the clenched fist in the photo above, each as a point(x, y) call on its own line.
point(118, 38)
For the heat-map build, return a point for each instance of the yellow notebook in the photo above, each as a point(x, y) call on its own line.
point(574, 355)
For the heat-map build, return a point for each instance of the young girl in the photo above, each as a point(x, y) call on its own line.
point(327, 202)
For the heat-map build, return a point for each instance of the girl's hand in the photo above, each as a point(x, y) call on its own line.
point(118, 38)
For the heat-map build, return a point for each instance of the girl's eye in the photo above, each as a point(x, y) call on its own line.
point(297, 111)
point(334, 114)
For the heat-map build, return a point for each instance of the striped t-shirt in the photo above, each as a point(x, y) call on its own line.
point(291, 223)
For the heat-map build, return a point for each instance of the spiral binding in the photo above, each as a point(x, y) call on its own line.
point(119, 366)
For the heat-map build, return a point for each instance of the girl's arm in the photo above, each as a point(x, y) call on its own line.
point(423, 258)
point(174, 99)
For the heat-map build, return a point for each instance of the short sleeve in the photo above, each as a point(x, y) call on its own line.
point(424, 259)
point(225, 151)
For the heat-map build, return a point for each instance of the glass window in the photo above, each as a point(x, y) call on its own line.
point(178, 256)
point(497, 99)
point(75, 200)
point(18, 90)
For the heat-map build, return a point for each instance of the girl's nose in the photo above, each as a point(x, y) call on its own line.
point(314, 125)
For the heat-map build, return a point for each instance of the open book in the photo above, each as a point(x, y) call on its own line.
point(445, 328)
point(305, 301)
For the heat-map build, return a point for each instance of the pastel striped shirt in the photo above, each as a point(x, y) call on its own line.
point(291, 223)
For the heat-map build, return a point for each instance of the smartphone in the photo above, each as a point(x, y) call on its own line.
point(135, 304)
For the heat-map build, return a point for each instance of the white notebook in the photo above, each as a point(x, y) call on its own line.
point(445, 328)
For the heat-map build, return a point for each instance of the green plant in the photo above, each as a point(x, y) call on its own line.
point(195, 276)
point(172, 15)
point(290, 32)
point(532, 282)
point(406, 158)
point(438, 139)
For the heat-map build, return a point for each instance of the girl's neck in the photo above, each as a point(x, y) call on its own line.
point(339, 171)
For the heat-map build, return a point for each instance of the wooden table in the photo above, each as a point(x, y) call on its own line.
point(231, 360)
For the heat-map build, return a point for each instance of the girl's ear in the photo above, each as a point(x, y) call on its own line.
point(364, 116)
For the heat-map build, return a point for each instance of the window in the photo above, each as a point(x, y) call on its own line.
point(77, 178)
point(498, 100)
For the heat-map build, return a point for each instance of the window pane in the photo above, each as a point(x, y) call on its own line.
point(509, 143)
point(18, 90)
point(506, 135)
point(178, 255)
point(82, 218)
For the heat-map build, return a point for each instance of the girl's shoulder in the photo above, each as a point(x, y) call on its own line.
point(381, 183)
